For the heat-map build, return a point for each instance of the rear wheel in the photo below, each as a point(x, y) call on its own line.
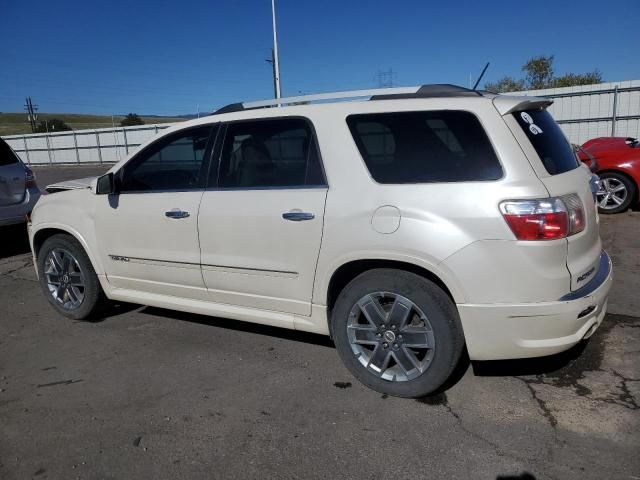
point(397, 332)
point(68, 279)
point(615, 193)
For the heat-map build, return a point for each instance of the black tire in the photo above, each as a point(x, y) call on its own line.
point(619, 179)
point(427, 297)
point(94, 299)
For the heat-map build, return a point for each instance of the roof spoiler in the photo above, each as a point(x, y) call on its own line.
point(506, 104)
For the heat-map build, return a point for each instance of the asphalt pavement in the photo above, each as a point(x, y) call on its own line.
point(151, 393)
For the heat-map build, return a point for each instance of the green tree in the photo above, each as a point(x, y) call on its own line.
point(505, 84)
point(572, 79)
point(130, 120)
point(53, 125)
point(539, 72)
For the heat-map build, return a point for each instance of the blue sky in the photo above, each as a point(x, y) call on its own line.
point(161, 57)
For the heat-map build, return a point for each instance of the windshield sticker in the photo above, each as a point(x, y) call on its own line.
point(533, 128)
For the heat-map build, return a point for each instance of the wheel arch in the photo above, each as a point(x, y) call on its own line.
point(44, 232)
point(346, 272)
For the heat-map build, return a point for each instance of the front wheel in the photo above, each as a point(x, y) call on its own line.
point(68, 279)
point(615, 192)
point(397, 332)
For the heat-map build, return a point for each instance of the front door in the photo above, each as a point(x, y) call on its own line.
point(147, 232)
point(260, 224)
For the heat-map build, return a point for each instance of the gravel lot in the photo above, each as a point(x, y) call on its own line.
point(150, 393)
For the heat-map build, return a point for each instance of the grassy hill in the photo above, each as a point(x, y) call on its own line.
point(16, 123)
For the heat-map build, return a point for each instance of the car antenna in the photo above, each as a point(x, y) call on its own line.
point(481, 75)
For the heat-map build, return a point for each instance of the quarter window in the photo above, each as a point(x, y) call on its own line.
point(422, 147)
point(548, 140)
point(7, 157)
point(270, 153)
point(176, 162)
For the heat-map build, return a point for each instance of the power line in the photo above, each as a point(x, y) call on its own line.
point(387, 78)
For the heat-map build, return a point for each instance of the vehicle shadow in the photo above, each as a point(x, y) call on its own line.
point(15, 240)
point(113, 309)
point(522, 476)
point(494, 368)
point(240, 326)
point(528, 366)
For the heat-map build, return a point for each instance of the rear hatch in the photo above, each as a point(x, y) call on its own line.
point(12, 176)
point(562, 174)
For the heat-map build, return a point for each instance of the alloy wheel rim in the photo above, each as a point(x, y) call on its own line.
point(391, 336)
point(611, 193)
point(64, 277)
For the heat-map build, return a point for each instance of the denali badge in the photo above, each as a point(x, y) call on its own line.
point(586, 274)
point(118, 258)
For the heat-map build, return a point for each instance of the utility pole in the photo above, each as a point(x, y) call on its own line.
point(276, 65)
point(32, 116)
point(273, 67)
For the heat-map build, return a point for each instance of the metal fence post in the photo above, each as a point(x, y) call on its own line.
point(75, 145)
point(98, 144)
point(26, 149)
point(46, 137)
point(126, 144)
point(615, 111)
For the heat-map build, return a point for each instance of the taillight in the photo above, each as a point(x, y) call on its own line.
point(29, 178)
point(577, 220)
point(544, 219)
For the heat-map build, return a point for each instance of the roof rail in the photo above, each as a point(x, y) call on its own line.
point(420, 91)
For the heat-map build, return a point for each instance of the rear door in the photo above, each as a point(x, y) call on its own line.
point(562, 174)
point(12, 176)
point(260, 222)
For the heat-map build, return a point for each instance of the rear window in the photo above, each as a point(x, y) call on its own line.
point(424, 147)
point(7, 157)
point(547, 138)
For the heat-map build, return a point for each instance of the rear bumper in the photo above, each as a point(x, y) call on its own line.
point(13, 214)
point(503, 331)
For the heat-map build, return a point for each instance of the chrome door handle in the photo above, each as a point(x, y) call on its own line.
point(176, 213)
point(298, 216)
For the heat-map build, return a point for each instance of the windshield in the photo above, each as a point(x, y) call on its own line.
point(548, 140)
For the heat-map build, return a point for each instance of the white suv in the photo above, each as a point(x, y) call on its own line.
point(407, 225)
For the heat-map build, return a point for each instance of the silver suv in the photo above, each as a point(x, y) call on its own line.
point(18, 190)
point(408, 225)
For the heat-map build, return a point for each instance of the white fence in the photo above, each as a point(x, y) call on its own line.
point(103, 145)
point(584, 112)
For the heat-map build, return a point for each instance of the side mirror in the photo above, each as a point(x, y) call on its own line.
point(105, 184)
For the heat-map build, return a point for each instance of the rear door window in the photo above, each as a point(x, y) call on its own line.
point(271, 153)
point(7, 157)
point(424, 147)
point(547, 139)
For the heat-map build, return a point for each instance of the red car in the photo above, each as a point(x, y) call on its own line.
point(617, 163)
